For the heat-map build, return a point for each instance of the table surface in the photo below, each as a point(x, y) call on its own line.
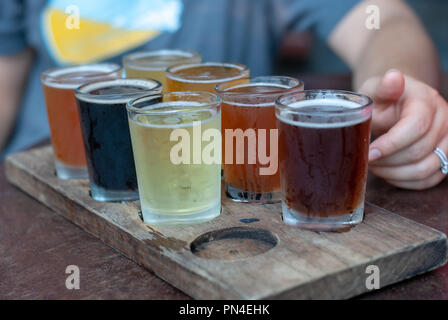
point(37, 245)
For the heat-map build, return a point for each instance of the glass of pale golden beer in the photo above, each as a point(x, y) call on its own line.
point(153, 64)
point(204, 76)
point(250, 140)
point(176, 140)
point(324, 140)
point(59, 87)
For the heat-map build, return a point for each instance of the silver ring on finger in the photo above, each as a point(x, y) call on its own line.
point(443, 160)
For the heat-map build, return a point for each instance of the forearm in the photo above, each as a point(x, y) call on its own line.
point(400, 43)
point(13, 75)
point(413, 54)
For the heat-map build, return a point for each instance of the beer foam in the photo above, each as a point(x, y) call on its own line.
point(145, 87)
point(173, 117)
point(285, 115)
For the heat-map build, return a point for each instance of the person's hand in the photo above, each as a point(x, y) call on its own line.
point(410, 120)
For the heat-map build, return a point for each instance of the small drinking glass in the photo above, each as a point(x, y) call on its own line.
point(105, 128)
point(324, 140)
point(176, 140)
point(248, 115)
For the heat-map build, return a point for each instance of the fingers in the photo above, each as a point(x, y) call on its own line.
point(416, 171)
point(416, 120)
point(390, 88)
point(411, 125)
point(421, 148)
point(385, 91)
point(419, 175)
point(430, 182)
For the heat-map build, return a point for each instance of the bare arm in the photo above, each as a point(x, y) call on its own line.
point(400, 43)
point(398, 67)
point(13, 74)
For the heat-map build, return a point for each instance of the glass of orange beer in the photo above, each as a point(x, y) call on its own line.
point(153, 64)
point(248, 115)
point(59, 87)
point(204, 76)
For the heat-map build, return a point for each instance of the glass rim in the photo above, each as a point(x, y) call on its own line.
point(54, 74)
point(133, 58)
point(260, 80)
point(171, 72)
point(367, 101)
point(147, 97)
point(98, 84)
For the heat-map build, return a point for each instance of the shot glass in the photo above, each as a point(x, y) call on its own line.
point(324, 140)
point(176, 140)
point(59, 87)
point(153, 64)
point(248, 115)
point(107, 142)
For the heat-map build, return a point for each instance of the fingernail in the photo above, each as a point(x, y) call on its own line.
point(374, 154)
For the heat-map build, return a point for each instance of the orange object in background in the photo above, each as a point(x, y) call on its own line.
point(59, 87)
point(251, 107)
point(204, 76)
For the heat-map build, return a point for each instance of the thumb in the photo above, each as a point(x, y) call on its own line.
point(389, 88)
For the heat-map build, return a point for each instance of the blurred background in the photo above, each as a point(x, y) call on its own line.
point(301, 53)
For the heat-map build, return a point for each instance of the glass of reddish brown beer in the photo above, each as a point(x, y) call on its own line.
point(324, 140)
point(248, 115)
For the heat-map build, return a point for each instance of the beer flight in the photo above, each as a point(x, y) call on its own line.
point(133, 134)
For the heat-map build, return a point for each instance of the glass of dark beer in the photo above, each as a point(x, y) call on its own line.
point(324, 140)
point(107, 141)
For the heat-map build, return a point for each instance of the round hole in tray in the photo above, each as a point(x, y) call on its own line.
point(233, 243)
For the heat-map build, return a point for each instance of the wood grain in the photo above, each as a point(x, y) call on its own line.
point(298, 264)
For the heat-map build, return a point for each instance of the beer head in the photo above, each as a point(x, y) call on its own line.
point(117, 91)
point(323, 108)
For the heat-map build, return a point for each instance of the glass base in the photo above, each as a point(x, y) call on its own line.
point(100, 194)
point(297, 219)
point(66, 172)
point(239, 195)
point(156, 218)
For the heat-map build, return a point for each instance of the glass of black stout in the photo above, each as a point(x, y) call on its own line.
point(107, 142)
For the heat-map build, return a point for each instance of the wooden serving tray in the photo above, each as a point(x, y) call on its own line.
point(246, 253)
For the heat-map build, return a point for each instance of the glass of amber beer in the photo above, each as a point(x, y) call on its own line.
point(324, 140)
point(153, 64)
point(171, 133)
point(59, 87)
point(248, 115)
point(204, 76)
